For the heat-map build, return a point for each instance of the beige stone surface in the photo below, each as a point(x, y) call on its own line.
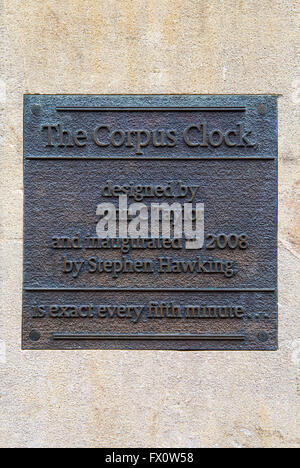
point(150, 398)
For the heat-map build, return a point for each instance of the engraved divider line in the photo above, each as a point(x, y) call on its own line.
point(112, 289)
point(150, 109)
point(103, 336)
point(149, 158)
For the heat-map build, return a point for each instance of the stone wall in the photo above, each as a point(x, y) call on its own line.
point(148, 398)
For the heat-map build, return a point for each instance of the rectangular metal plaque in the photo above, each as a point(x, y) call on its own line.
point(150, 222)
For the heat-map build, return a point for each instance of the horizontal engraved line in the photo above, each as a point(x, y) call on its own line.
point(151, 109)
point(109, 289)
point(140, 336)
point(149, 158)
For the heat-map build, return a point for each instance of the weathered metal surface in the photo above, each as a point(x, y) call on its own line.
point(74, 146)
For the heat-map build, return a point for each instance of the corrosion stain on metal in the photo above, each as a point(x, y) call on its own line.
point(81, 151)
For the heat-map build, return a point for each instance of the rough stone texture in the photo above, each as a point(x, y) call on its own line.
point(133, 398)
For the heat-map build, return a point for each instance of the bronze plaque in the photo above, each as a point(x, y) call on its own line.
point(150, 222)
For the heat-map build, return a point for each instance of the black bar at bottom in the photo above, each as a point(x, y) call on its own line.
point(103, 336)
